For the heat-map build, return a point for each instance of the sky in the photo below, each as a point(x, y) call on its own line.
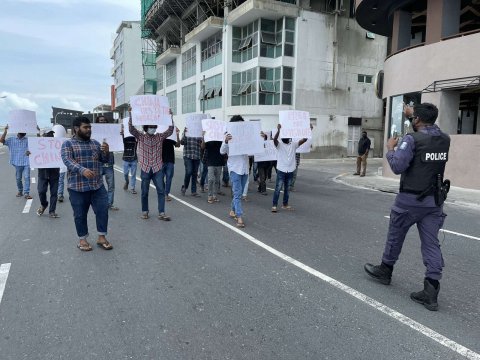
point(57, 53)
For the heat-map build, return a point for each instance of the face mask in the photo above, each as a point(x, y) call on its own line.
point(151, 131)
point(285, 141)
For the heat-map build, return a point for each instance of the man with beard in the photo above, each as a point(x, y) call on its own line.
point(420, 159)
point(84, 159)
point(18, 147)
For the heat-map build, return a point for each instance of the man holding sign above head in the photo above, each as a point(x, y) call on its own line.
point(129, 160)
point(150, 149)
point(84, 159)
point(285, 167)
point(18, 147)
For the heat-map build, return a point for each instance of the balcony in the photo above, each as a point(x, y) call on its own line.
point(112, 53)
point(168, 55)
point(112, 71)
point(251, 10)
point(206, 29)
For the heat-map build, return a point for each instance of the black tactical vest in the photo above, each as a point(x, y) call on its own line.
point(429, 160)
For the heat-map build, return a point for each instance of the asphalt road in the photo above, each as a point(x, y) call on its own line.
point(196, 288)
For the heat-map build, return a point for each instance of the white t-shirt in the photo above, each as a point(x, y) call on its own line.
point(286, 156)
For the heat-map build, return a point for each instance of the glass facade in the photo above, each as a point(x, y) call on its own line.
point(287, 90)
point(211, 97)
point(171, 72)
point(289, 49)
point(244, 87)
point(188, 99)
point(269, 86)
point(160, 78)
point(271, 38)
point(399, 125)
point(245, 42)
point(189, 63)
point(172, 100)
point(211, 51)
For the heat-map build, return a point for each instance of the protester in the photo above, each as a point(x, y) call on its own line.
point(420, 160)
point(60, 132)
point(262, 168)
point(214, 164)
point(18, 147)
point(203, 169)
point(48, 178)
point(129, 161)
point(84, 159)
point(168, 158)
point(286, 149)
point(108, 172)
point(191, 159)
point(363, 148)
point(150, 149)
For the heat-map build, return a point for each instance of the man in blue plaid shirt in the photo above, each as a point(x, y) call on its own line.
point(84, 159)
point(18, 147)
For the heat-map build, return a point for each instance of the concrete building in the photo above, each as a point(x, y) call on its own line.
point(127, 70)
point(257, 57)
point(433, 57)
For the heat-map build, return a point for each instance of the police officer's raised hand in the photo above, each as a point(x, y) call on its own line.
point(391, 143)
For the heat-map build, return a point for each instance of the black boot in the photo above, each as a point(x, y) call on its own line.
point(428, 296)
point(382, 273)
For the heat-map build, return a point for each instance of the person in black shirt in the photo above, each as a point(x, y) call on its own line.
point(215, 162)
point(363, 148)
point(129, 161)
point(168, 159)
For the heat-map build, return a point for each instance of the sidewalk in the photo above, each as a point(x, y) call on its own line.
point(373, 181)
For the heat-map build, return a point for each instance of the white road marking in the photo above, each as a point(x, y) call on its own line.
point(4, 270)
point(453, 233)
point(27, 207)
point(432, 334)
point(33, 180)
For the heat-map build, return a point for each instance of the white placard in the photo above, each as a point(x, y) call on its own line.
point(22, 121)
point(270, 153)
point(45, 152)
point(162, 129)
point(295, 124)
point(305, 147)
point(110, 133)
point(126, 132)
point(194, 125)
point(246, 138)
point(214, 129)
point(150, 110)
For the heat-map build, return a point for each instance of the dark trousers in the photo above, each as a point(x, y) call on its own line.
point(81, 202)
point(191, 170)
point(283, 180)
point(42, 188)
point(262, 178)
point(157, 179)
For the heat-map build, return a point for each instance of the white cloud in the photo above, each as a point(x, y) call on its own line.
point(14, 101)
point(69, 104)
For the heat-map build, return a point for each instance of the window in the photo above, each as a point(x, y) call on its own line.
point(365, 78)
point(171, 72)
point(287, 91)
point(172, 100)
point(289, 49)
point(189, 63)
point(269, 86)
point(244, 87)
point(160, 78)
point(271, 38)
point(397, 124)
point(212, 51)
point(245, 42)
point(120, 94)
point(211, 97)
point(189, 99)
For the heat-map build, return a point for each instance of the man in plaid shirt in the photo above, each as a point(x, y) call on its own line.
point(18, 147)
point(84, 159)
point(149, 152)
point(191, 159)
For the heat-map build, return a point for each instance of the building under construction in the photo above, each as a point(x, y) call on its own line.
point(257, 57)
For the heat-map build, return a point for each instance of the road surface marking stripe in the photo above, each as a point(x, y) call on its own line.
point(4, 270)
point(439, 338)
point(33, 180)
point(27, 207)
point(453, 232)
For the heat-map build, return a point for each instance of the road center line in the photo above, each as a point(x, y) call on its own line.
point(439, 338)
point(27, 207)
point(4, 270)
point(452, 232)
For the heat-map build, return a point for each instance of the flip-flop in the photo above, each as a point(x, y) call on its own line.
point(105, 245)
point(54, 215)
point(164, 217)
point(240, 225)
point(144, 216)
point(84, 247)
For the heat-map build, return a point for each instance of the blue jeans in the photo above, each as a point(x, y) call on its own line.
point(25, 170)
point(130, 167)
point(238, 184)
point(108, 172)
point(168, 170)
point(225, 176)
point(61, 182)
point(81, 202)
point(283, 179)
point(203, 174)
point(191, 170)
point(157, 179)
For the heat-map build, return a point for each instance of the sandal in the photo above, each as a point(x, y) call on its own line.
point(41, 210)
point(240, 224)
point(133, 192)
point(164, 217)
point(28, 197)
point(232, 214)
point(144, 216)
point(210, 200)
point(19, 194)
point(54, 215)
point(215, 199)
point(105, 245)
point(287, 207)
point(196, 194)
point(84, 247)
point(168, 198)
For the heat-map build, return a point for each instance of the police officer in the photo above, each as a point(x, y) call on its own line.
point(420, 159)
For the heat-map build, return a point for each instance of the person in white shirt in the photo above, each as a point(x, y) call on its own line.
point(285, 167)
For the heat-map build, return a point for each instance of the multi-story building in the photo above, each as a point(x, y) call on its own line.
point(257, 57)
point(127, 71)
point(433, 52)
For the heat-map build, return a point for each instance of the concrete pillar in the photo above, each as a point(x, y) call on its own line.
point(443, 19)
point(448, 103)
point(401, 31)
